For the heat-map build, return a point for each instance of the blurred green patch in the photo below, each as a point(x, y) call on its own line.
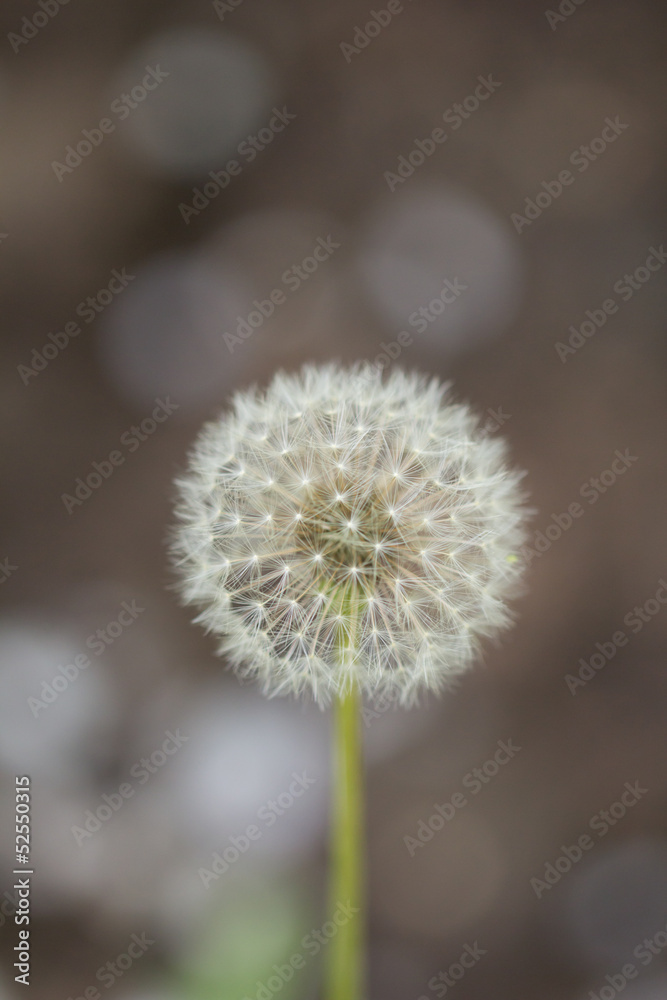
point(251, 928)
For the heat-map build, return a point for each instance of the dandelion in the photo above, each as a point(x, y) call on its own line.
point(341, 532)
point(343, 535)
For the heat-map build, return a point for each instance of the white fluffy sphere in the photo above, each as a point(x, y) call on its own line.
point(341, 530)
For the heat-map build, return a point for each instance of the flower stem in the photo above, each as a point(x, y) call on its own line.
point(345, 954)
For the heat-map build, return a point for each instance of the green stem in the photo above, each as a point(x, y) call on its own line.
point(345, 953)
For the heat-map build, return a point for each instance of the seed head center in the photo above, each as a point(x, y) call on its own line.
point(351, 537)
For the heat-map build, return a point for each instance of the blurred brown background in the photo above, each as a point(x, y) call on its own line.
point(128, 272)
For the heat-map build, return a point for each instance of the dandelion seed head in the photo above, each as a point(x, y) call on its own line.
point(384, 565)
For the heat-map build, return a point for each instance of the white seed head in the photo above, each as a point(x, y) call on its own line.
point(337, 530)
